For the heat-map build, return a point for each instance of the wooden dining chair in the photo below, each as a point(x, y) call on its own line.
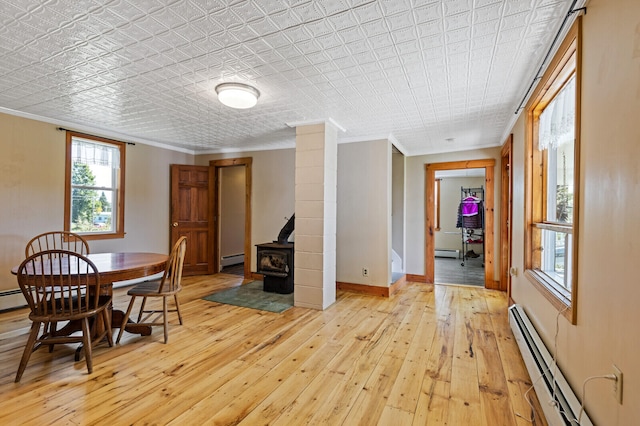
point(57, 240)
point(168, 286)
point(60, 285)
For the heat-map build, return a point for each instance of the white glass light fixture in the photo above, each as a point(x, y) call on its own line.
point(237, 95)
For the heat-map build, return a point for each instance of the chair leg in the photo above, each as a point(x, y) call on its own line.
point(175, 297)
point(86, 342)
point(165, 314)
point(144, 302)
point(52, 328)
point(28, 349)
point(125, 319)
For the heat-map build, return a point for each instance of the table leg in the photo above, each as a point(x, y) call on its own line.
point(116, 320)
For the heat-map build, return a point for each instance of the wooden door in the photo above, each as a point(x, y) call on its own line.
point(191, 213)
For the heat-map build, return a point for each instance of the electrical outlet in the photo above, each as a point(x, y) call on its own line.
point(365, 272)
point(618, 384)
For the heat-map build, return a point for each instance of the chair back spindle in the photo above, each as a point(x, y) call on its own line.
point(57, 240)
point(55, 283)
point(172, 278)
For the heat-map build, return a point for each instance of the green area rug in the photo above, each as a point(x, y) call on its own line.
point(252, 296)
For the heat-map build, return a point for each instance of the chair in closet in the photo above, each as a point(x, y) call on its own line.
point(167, 287)
point(60, 285)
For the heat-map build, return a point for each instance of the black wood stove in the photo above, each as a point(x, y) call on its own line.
point(275, 261)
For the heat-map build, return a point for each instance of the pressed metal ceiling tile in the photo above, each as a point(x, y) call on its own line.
point(518, 6)
point(483, 29)
point(286, 19)
point(368, 12)
point(404, 35)
point(431, 28)
point(310, 11)
point(374, 28)
point(342, 20)
point(457, 21)
point(332, 7)
point(488, 13)
point(401, 20)
point(454, 7)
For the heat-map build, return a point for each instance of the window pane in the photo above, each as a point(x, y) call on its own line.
point(557, 138)
point(556, 256)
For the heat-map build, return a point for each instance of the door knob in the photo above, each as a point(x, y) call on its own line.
point(175, 224)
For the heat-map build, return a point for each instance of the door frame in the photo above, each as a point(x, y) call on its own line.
point(430, 180)
point(506, 214)
point(216, 166)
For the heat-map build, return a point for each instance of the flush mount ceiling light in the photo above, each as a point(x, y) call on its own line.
point(237, 95)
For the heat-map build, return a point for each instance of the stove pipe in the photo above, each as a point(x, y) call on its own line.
point(286, 230)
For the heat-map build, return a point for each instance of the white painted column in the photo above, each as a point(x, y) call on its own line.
point(315, 238)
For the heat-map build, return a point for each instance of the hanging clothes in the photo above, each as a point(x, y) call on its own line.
point(469, 206)
point(475, 220)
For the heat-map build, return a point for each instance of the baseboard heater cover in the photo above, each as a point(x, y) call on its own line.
point(11, 299)
point(539, 363)
point(232, 259)
point(447, 253)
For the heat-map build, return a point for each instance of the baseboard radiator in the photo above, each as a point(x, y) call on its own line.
point(10, 299)
point(539, 362)
point(447, 253)
point(232, 259)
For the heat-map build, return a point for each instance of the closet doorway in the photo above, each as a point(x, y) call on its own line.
point(243, 165)
point(472, 247)
point(231, 204)
point(459, 232)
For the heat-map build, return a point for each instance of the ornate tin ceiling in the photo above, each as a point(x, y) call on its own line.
point(417, 71)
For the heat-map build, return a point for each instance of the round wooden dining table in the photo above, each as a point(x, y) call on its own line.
point(114, 267)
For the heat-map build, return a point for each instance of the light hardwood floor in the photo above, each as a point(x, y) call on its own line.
point(427, 355)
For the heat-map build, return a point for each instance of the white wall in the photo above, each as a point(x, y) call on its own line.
point(364, 213)
point(415, 214)
point(32, 168)
point(608, 316)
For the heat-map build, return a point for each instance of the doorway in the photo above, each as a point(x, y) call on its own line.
point(431, 219)
point(459, 239)
point(232, 219)
point(225, 245)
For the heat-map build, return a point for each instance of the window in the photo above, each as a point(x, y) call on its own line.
point(552, 185)
point(94, 195)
